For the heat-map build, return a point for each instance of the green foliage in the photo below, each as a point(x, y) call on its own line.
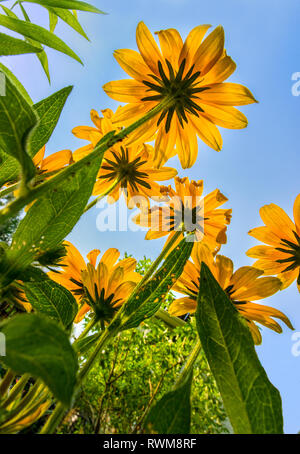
point(252, 403)
point(136, 369)
point(17, 118)
point(38, 346)
point(51, 299)
point(37, 36)
point(148, 300)
point(37, 33)
point(172, 413)
point(48, 111)
point(49, 220)
point(14, 46)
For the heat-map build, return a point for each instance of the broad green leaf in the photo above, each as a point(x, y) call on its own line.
point(252, 403)
point(49, 220)
point(50, 298)
point(53, 19)
point(17, 119)
point(14, 46)
point(69, 19)
point(172, 413)
point(67, 4)
point(37, 346)
point(37, 33)
point(48, 111)
point(150, 297)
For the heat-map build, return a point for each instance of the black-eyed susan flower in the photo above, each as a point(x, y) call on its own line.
point(186, 210)
point(282, 255)
point(103, 287)
point(187, 78)
point(243, 286)
point(129, 170)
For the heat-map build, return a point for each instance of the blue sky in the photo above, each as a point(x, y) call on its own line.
point(258, 165)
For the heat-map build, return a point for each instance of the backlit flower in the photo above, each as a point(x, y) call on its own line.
point(188, 78)
point(242, 286)
point(103, 287)
point(128, 170)
point(282, 255)
point(186, 210)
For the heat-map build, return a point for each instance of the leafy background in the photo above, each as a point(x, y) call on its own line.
point(256, 166)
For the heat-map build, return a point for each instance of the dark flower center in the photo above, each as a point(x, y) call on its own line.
point(179, 89)
point(293, 250)
point(125, 171)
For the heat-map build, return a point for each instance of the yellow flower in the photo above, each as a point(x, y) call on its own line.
point(128, 170)
point(188, 77)
point(104, 287)
point(187, 211)
point(282, 255)
point(242, 286)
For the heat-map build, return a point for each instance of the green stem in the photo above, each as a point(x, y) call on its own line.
point(101, 196)
point(86, 330)
point(169, 320)
point(188, 366)
point(105, 143)
point(156, 263)
point(58, 414)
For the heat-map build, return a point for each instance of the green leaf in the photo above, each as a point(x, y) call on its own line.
point(172, 413)
point(67, 4)
point(37, 33)
point(53, 19)
point(14, 46)
point(49, 220)
point(150, 297)
point(252, 403)
point(83, 345)
point(50, 298)
point(48, 111)
point(17, 118)
point(69, 18)
point(37, 346)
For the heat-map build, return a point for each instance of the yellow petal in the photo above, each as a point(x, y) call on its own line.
point(92, 256)
point(182, 306)
point(224, 267)
point(171, 45)
point(110, 257)
point(257, 289)
point(192, 44)
point(278, 221)
point(38, 158)
point(220, 71)
point(297, 213)
point(57, 160)
point(207, 132)
point(228, 94)
point(132, 62)
point(265, 235)
point(186, 145)
point(83, 132)
point(225, 116)
point(244, 276)
point(125, 90)
point(148, 47)
point(210, 51)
